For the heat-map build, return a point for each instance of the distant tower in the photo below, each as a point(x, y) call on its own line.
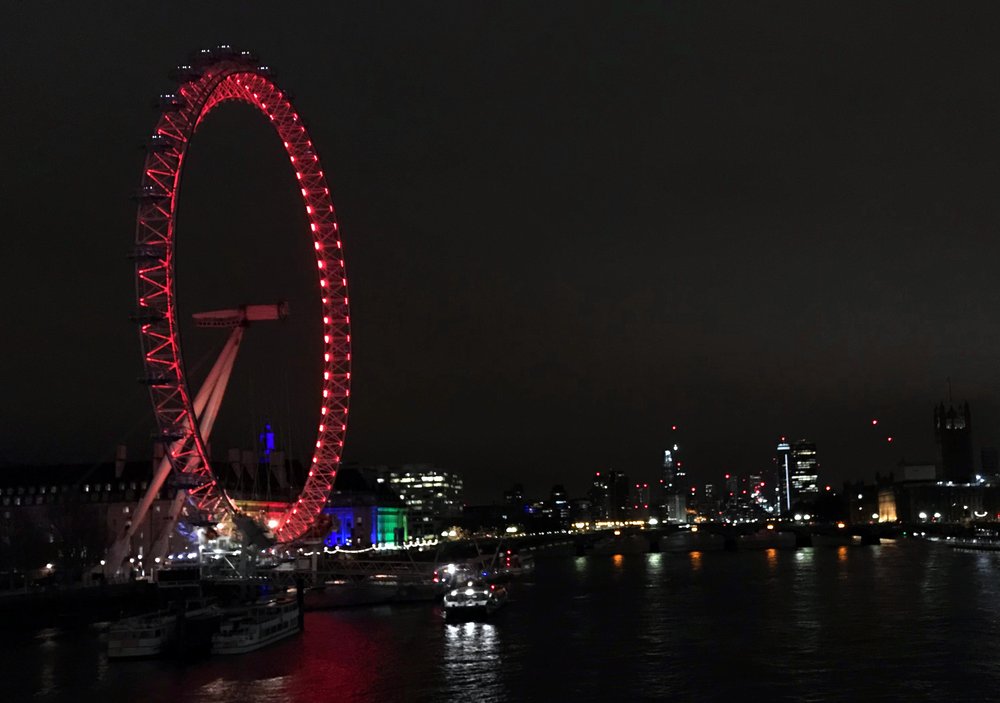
point(953, 432)
point(783, 473)
point(675, 491)
point(805, 471)
point(618, 495)
point(598, 494)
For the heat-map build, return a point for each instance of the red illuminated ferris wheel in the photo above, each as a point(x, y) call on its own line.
point(184, 419)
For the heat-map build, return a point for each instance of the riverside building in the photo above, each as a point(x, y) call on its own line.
point(433, 497)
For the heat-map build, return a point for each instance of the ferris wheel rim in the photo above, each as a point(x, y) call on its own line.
point(216, 79)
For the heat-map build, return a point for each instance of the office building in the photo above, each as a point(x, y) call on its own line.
point(433, 497)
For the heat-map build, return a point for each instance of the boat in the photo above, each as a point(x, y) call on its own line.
point(141, 636)
point(154, 634)
point(474, 599)
point(515, 565)
point(253, 627)
point(976, 543)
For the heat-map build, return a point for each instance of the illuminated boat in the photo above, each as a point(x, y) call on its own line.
point(474, 599)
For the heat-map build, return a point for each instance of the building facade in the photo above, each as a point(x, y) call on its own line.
point(805, 472)
point(68, 515)
point(432, 496)
point(953, 433)
point(364, 512)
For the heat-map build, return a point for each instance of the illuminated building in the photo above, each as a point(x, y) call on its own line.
point(364, 512)
point(558, 506)
point(783, 472)
point(675, 488)
point(433, 497)
point(805, 471)
point(953, 433)
point(598, 497)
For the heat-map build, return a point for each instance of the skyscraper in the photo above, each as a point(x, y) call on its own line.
point(609, 495)
point(618, 495)
point(598, 495)
point(805, 471)
point(953, 432)
point(783, 473)
point(675, 492)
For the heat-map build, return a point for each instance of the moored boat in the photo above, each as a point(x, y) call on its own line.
point(141, 636)
point(253, 627)
point(154, 634)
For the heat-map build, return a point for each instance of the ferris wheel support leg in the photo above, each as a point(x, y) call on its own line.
point(223, 367)
point(205, 425)
point(162, 543)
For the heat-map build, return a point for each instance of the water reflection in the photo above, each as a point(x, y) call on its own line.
point(247, 691)
point(654, 567)
point(904, 622)
point(473, 667)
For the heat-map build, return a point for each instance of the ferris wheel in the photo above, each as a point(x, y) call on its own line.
point(185, 419)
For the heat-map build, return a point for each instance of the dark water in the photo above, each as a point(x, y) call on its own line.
point(901, 621)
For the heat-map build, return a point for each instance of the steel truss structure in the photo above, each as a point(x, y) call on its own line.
point(217, 76)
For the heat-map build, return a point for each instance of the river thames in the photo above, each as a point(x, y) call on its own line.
point(909, 620)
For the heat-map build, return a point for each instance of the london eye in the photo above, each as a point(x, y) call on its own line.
point(184, 417)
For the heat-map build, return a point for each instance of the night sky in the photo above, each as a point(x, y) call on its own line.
point(567, 225)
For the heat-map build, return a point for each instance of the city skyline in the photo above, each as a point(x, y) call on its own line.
point(532, 292)
point(408, 350)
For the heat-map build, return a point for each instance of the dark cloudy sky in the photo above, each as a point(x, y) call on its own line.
point(568, 225)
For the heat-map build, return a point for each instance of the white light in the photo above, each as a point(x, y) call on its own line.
point(272, 523)
point(860, 496)
point(49, 566)
point(653, 521)
point(798, 516)
point(922, 516)
point(806, 516)
point(512, 529)
point(874, 516)
point(937, 516)
point(102, 562)
point(157, 560)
